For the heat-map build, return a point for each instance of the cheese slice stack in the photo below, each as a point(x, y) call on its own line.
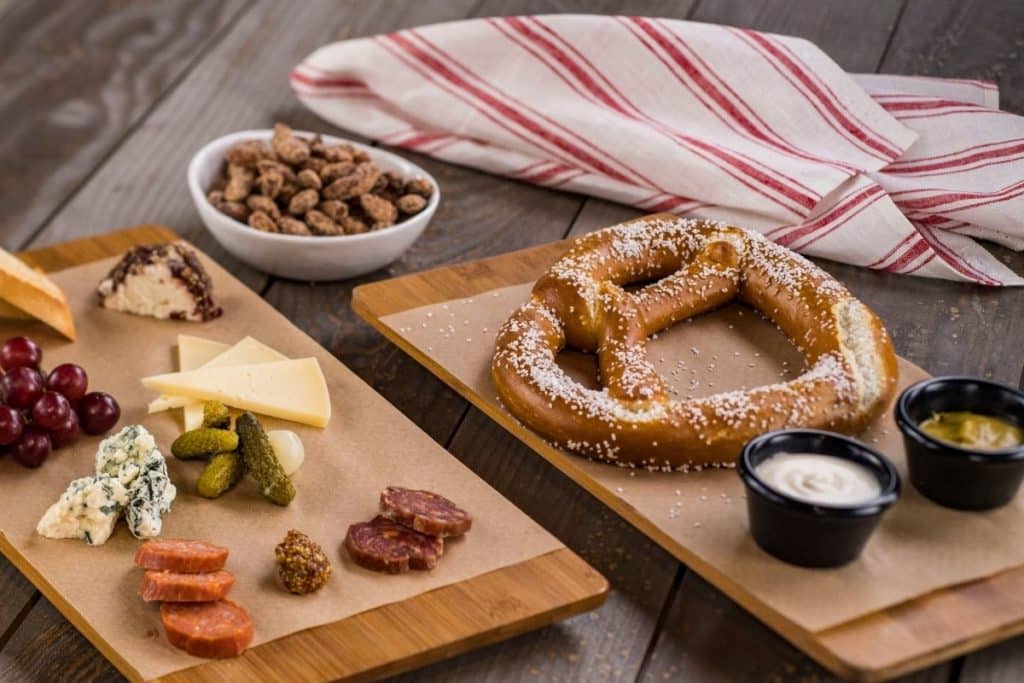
point(195, 353)
point(249, 376)
point(27, 292)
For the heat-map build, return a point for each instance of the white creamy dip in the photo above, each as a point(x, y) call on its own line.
point(819, 479)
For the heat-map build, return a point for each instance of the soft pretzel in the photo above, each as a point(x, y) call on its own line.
point(695, 266)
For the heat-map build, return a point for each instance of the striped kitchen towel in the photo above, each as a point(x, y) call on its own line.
point(890, 172)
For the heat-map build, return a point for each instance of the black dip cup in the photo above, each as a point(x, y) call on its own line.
point(950, 475)
point(809, 534)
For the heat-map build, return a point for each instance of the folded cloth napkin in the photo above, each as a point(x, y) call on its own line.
point(890, 172)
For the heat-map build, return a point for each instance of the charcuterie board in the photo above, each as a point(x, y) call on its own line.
point(413, 629)
point(426, 312)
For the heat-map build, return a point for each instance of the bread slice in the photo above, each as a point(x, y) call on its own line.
point(32, 292)
point(11, 312)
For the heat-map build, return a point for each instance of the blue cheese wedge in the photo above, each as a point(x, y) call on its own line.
point(88, 510)
point(131, 477)
point(150, 496)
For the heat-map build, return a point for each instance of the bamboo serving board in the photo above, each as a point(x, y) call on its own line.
point(881, 645)
point(379, 642)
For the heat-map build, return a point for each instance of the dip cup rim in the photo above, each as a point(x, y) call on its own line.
point(871, 458)
point(946, 449)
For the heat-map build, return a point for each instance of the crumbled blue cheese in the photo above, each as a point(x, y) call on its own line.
point(125, 454)
point(88, 509)
point(150, 496)
point(131, 476)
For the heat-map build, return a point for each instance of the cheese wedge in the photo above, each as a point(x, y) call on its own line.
point(195, 352)
point(33, 293)
point(289, 389)
point(248, 351)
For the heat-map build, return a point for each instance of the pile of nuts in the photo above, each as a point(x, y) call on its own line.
point(301, 186)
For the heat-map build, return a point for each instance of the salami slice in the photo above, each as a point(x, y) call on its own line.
point(186, 557)
point(423, 511)
point(207, 629)
point(175, 587)
point(386, 546)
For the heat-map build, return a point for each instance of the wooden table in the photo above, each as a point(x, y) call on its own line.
point(106, 101)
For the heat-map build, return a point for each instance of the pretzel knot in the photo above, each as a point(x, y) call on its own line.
point(691, 266)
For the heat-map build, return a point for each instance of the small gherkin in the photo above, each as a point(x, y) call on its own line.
point(203, 442)
point(216, 415)
point(220, 474)
point(261, 462)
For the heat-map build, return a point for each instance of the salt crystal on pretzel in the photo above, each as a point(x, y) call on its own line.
point(695, 266)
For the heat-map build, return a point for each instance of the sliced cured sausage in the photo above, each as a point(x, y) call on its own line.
point(176, 587)
point(423, 511)
point(207, 629)
point(386, 546)
point(186, 557)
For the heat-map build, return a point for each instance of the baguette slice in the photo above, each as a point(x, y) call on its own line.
point(35, 294)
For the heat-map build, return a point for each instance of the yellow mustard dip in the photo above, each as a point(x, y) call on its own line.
point(973, 431)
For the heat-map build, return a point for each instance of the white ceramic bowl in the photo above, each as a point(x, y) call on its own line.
point(299, 257)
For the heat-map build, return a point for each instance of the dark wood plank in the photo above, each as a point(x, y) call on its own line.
point(77, 77)
point(16, 592)
point(1003, 663)
point(48, 648)
point(963, 39)
point(854, 34)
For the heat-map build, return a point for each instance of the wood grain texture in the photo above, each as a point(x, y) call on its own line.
point(1003, 663)
point(388, 639)
point(963, 39)
point(854, 34)
point(86, 72)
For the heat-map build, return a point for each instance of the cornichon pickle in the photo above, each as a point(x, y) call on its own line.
point(216, 415)
point(204, 441)
point(220, 474)
point(261, 462)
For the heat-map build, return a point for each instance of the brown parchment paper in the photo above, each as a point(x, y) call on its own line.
point(702, 516)
point(367, 445)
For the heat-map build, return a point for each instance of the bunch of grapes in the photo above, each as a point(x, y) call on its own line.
point(42, 412)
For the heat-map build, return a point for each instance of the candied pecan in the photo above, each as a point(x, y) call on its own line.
point(317, 146)
point(239, 185)
point(249, 153)
point(293, 226)
point(261, 221)
point(353, 226)
point(332, 172)
point(288, 190)
point(258, 202)
point(321, 224)
point(411, 203)
point(265, 165)
point(288, 147)
point(395, 181)
point(270, 183)
point(380, 186)
point(215, 197)
point(303, 201)
point(359, 156)
point(236, 210)
point(309, 178)
point(360, 181)
point(420, 186)
point(334, 208)
point(338, 153)
point(380, 211)
point(314, 164)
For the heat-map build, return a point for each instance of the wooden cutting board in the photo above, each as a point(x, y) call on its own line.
point(878, 646)
point(380, 642)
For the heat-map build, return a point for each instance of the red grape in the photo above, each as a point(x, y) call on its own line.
point(22, 386)
point(20, 352)
point(34, 447)
point(98, 412)
point(68, 380)
point(11, 425)
point(51, 411)
point(67, 432)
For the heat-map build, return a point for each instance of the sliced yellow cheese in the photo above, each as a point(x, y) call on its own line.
point(195, 352)
point(289, 389)
point(248, 351)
